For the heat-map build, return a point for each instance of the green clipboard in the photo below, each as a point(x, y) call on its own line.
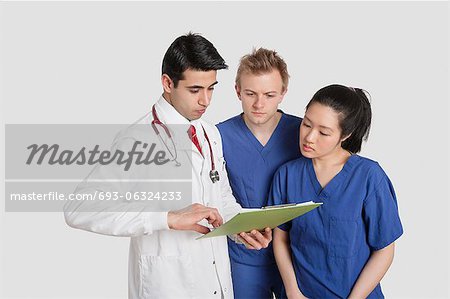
point(258, 219)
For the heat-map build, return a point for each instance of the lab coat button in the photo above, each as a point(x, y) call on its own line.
point(214, 262)
point(215, 292)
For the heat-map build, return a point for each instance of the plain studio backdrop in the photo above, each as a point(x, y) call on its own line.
point(96, 63)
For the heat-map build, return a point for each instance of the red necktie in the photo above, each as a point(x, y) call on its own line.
point(193, 136)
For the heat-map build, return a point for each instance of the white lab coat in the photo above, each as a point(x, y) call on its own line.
point(165, 263)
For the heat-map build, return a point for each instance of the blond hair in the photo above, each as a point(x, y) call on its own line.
point(262, 61)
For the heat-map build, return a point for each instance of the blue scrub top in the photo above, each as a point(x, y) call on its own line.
point(331, 244)
point(251, 167)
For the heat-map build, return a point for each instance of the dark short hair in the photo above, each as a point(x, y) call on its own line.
point(191, 51)
point(353, 107)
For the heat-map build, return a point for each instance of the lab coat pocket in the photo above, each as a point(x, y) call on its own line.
point(166, 277)
point(343, 238)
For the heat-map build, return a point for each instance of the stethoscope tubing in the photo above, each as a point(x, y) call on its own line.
point(156, 121)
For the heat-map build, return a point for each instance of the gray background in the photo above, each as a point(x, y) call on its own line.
point(100, 63)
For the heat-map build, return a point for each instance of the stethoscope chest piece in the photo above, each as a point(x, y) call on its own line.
point(214, 176)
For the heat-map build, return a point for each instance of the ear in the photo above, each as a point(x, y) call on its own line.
point(238, 91)
point(167, 83)
point(345, 137)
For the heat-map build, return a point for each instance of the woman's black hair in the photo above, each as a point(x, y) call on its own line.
point(353, 107)
point(191, 51)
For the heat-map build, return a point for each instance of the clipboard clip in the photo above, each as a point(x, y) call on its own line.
point(279, 206)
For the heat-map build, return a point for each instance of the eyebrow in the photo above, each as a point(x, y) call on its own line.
point(201, 87)
point(324, 127)
point(271, 91)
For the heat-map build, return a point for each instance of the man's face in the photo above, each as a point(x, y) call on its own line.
point(193, 94)
point(260, 96)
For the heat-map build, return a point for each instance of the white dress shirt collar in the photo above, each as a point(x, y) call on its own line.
point(167, 114)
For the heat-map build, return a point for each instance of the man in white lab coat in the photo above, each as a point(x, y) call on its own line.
point(166, 260)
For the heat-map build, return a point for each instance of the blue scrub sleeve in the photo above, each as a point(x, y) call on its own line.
point(381, 216)
point(278, 194)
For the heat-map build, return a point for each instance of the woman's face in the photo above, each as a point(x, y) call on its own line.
point(320, 133)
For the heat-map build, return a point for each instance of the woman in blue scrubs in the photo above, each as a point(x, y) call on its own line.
point(343, 248)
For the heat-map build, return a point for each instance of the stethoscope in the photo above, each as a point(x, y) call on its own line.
point(213, 173)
